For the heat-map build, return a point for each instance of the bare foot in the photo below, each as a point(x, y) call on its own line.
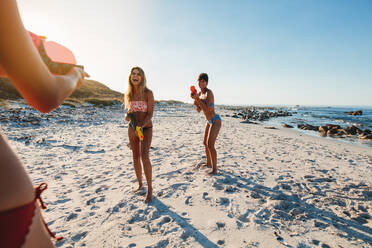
point(212, 172)
point(149, 196)
point(207, 165)
point(139, 188)
point(199, 165)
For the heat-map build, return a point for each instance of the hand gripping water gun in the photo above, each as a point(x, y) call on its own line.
point(193, 90)
point(133, 124)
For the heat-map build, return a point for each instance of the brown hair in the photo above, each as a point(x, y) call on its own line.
point(203, 76)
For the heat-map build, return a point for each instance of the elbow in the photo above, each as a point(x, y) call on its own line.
point(46, 109)
point(44, 104)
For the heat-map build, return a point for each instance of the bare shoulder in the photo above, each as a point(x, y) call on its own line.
point(210, 94)
point(149, 94)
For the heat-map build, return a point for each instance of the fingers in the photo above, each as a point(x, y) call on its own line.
point(81, 75)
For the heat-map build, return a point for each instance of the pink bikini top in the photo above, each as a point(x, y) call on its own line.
point(138, 106)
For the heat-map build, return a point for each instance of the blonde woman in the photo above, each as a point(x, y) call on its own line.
point(139, 101)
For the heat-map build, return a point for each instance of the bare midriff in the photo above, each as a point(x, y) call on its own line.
point(209, 113)
point(140, 118)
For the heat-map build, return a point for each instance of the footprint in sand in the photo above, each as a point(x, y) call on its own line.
point(187, 201)
point(218, 186)
point(71, 217)
point(224, 201)
point(205, 196)
point(79, 236)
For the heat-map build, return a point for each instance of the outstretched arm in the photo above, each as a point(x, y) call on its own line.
point(24, 67)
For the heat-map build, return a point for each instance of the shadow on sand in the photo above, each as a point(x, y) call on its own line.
point(189, 229)
point(353, 229)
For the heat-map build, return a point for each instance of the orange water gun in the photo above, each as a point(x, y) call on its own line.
point(133, 124)
point(194, 92)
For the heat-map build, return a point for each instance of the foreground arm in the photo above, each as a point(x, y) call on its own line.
point(24, 67)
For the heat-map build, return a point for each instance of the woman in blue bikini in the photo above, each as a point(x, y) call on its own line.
point(204, 100)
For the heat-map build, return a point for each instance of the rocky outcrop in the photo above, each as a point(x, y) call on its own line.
point(253, 114)
point(286, 126)
point(336, 130)
point(358, 112)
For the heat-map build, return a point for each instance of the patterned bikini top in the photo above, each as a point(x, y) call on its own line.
point(138, 106)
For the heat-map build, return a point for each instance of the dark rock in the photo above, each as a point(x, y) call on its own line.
point(352, 130)
point(365, 136)
point(367, 131)
point(270, 127)
point(307, 127)
point(323, 129)
point(341, 131)
point(332, 126)
point(286, 126)
point(332, 131)
point(358, 112)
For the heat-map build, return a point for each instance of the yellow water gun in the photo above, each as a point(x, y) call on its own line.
point(139, 133)
point(133, 124)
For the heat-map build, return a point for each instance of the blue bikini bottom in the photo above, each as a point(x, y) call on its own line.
point(215, 118)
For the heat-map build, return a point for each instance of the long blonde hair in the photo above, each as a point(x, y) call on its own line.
point(143, 86)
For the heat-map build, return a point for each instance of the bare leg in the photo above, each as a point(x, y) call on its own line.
point(214, 130)
point(135, 145)
point(205, 142)
point(145, 149)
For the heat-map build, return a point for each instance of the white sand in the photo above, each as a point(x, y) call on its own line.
point(275, 188)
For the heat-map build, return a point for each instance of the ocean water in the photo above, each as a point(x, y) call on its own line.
point(318, 116)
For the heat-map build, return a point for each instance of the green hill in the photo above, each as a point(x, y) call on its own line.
point(91, 92)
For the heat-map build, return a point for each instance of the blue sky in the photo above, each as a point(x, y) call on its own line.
point(255, 52)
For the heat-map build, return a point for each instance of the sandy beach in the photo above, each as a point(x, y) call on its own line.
point(274, 187)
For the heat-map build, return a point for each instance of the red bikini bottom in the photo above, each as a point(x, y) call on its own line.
point(15, 223)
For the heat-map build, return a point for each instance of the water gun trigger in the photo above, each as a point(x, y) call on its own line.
point(139, 133)
point(193, 90)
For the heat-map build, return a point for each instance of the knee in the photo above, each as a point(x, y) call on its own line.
point(205, 143)
point(144, 156)
point(136, 156)
point(210, 146)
